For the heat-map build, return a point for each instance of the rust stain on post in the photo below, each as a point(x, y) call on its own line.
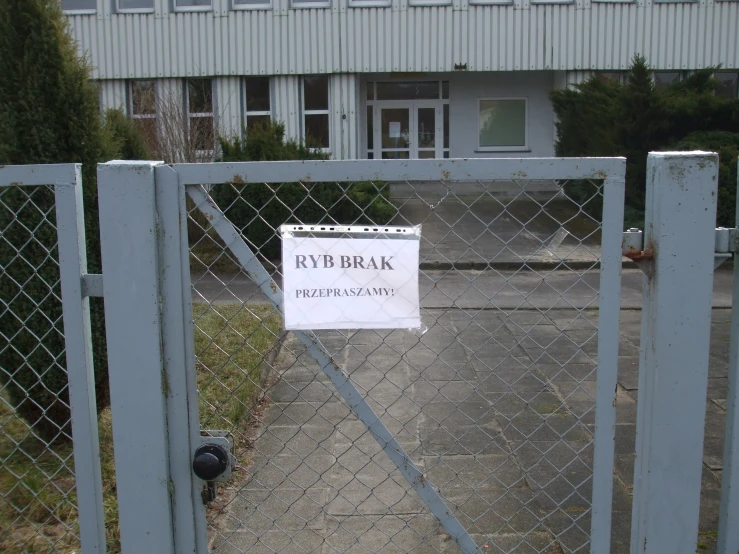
point(636, 256)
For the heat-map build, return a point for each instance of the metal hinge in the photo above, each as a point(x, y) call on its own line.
point(632, 246)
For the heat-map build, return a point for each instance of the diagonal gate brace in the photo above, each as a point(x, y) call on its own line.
point(255, 271)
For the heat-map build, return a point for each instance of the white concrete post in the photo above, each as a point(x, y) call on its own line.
point(728, 528)
point(673, 373)
point(136, 366)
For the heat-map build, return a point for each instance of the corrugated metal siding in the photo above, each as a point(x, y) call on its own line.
point(344, 98)
point(228, 105)
point(286, 93)
point(424, 39)
point(113, 95)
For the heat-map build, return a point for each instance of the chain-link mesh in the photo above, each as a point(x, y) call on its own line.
point(38, 511)
point(494, 402)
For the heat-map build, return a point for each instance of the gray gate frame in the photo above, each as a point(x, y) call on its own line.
point(143, 216)
point(72, 258)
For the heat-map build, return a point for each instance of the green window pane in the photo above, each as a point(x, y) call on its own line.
point(502, 123)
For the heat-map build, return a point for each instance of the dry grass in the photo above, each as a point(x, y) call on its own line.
point(231, 342)
point(37, 496)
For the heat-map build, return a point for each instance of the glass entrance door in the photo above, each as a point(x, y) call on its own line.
point(409, 131)
point(425, 132)
point(395, 133)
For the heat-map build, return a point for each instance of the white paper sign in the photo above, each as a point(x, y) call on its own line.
point(394, 130)
point(350, 283)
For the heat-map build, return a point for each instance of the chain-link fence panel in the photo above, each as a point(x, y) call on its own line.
point(493, 400)
point(38, 507)
point(46, 370)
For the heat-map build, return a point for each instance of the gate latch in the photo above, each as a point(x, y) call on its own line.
point(213, 461)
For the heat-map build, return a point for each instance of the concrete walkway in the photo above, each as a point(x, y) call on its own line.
point(494, 403)
point(495, 407)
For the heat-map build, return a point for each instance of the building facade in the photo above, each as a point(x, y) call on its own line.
point(387, 78)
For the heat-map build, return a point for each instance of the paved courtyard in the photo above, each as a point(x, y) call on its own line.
point(495, 408)
point(494, 403)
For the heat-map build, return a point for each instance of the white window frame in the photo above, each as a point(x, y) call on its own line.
point(297, 4)
point(192, 8)
point(517, 148)
point(88, 11)
point(211, 114)
point(263, 5)
point(247, 113)
point(327, 112)
point(118, 9)
point(377, 105)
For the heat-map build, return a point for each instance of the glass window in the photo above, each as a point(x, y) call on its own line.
point(311, 3)
point(728, 86)
point(446, 126)
point(135, 5)
point(370, 129)
point(502, 123)
point(247, 3)
point(143, 98)
point(200, 96)
point(200, 114)
point(609, 76)
point(316, 130)
point(258, 105)
point(192, 3)
point(663, 79)
point(257, 94)
point(429, 2)
point(315, 111)
point(143, 110)
point(370, 91)
point(445, 90)
point(315, 89)
point(422, 90)
point(79, 5)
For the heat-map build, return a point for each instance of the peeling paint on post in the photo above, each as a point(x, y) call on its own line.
point(673, 370)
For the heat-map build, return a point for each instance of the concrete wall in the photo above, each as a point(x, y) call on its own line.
point(465, 89)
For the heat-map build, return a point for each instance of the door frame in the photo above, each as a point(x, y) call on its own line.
point(413, 107)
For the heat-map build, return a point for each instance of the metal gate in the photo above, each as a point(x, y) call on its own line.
point(492, 430)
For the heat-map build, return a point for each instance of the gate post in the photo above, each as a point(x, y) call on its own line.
point(673, 369)
point(138, 383)
point(728, 529)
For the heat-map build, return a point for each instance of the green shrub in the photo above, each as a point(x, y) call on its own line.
point(48, 114)
point(127, 138)
point(726, 144)
point(259, 209)
point(631, 119)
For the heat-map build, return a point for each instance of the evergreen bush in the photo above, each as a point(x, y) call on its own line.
point(259, 209)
